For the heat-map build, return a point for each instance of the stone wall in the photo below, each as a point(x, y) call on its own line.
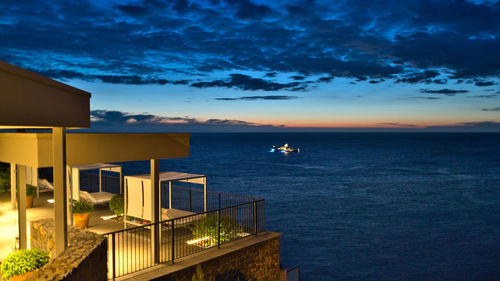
point(258, 262)
point(85, 258)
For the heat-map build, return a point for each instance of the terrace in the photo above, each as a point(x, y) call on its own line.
point(192, 227)
point(130, 247)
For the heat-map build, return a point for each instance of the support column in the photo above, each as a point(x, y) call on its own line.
point(60, 193)
point(155, 209)
point(13, 187)
point(204, 194)
point(21, 210)
point(170, 194)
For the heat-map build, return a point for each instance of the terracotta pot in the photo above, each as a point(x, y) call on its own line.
point(29, 201)
point(22, 277)
point(81, 220)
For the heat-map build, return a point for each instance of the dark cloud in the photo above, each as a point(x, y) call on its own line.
point(104, 120)
point(484, 83)
point(113, 79)
point(247, 83)
point(447, 92)
point(424, 76)
point(141, 42)
point(251, 98)
point(298, 77)
point(397, 124)
point(491, 109)
point(484, 96)
point(485, 126)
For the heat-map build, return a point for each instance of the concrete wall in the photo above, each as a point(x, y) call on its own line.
point(259, 261)
point(85, 258)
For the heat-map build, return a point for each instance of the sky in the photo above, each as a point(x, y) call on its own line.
point(251, 65)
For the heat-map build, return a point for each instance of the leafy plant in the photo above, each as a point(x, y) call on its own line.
point(30, 190)
point(5, 176)
point(21, 261)
point(116, 204)
point(207, 230)
point(82, 207)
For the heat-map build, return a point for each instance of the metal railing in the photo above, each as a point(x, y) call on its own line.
point(131, 250)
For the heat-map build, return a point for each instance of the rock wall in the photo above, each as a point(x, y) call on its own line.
point(259, 262)
point(84, 259)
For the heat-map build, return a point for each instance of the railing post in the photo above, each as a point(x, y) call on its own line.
point(218, 224)
point(173, 241)
point(254, 217)
point(190, 200)
point(218, 228)
point(114, 254)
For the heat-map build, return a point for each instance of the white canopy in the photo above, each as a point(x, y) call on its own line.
point(137, 203)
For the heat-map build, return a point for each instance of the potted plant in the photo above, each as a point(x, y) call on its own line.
point(30, 195)
point(81, 213)
point(116, 204)
point(22, 263)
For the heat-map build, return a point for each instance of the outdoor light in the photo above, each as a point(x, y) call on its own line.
point(108, 217)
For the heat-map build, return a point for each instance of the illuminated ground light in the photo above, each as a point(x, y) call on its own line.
point(109, 217)
point(197, 241)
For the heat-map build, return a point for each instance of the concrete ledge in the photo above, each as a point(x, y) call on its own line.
point(167, 271)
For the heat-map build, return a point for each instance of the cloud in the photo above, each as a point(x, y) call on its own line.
point(484, 96)
point(484, 83)
point(420, 77)
point(250, 98)
point(145, 42)
point(248, 83)
point(484, 126)
point(397, 124)
point(491, 109)
point(447, 92)
point(117, 121)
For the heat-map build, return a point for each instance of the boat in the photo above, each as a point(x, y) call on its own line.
point(284, 149)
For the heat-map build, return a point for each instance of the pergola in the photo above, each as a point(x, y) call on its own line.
point(29, 100)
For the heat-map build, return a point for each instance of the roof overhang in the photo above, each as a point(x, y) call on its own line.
point(30, 100)
point(35, 149)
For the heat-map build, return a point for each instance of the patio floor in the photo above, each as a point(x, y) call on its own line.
point(43, 210)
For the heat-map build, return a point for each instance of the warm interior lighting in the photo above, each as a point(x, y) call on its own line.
point(50, 200)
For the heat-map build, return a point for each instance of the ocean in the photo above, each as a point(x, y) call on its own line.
point(365, 206)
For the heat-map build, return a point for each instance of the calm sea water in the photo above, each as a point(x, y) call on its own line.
point(366, 206)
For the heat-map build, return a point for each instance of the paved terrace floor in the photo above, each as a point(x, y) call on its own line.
point(42, 210)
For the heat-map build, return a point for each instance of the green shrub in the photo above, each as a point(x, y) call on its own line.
point(30, 190)
point(199, 275)
point(82, 207)
point(207, 227)
point(22, 261)
point(116, 204)
point(5, 176)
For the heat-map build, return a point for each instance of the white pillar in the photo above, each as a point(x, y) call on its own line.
point(155, 209)
point(21, 210)
point(60, 195)
point(13, 186)
point(205, 194)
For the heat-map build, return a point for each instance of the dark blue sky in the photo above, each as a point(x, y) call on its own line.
point(267, 65)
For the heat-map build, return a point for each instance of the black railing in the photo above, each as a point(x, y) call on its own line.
point(90, 182)
point(131, 250)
